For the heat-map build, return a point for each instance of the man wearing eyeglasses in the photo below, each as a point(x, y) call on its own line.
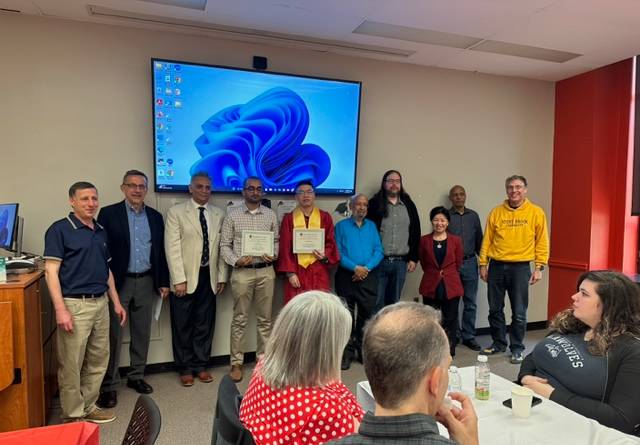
point(306, 271)
point(396, 217)
point(515, 235)
point(252, 276)
point(135, 234)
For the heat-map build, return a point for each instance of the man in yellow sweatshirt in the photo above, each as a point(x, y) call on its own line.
point(515, 234)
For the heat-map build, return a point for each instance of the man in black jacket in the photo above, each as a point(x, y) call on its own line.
point(397, 219)
point(136, 242)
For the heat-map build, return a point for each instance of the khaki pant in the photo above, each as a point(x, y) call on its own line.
point(83, 355)
point(251, 287)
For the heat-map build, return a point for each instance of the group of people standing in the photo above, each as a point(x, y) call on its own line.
point(456, 252)
point(130, 254)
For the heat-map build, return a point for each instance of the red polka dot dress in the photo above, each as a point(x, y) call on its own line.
point(298, 415)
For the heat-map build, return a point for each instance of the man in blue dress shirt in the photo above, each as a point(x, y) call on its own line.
point(356, 281)
point(135, 235)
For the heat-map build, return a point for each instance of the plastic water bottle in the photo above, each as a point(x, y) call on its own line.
point(455, 380)
point(483, 376)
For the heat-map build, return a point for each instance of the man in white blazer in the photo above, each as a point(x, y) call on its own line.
point(198, 274)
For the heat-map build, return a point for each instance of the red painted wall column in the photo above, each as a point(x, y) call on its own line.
point(591, 226)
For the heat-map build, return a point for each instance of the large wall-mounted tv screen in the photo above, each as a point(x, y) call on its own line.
point(234, 123)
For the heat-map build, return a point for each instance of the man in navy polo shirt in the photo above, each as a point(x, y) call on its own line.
point(78, 275)
point(356, 279)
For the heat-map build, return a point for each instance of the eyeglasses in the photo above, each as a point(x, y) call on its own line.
point(252, 189)
point(136, 186)
point(305, 192)
point(393, 181)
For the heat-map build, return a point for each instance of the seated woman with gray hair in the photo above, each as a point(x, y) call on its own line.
point(295, 394)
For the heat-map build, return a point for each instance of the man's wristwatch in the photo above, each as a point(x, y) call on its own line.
point(540, 268)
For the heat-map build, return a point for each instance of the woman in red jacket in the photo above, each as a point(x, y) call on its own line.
point(441, 259)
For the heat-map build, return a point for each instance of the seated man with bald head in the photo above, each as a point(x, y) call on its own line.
point(406, 359)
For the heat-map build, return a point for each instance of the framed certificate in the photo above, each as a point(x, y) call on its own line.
point(257, 243)
point(308, 240)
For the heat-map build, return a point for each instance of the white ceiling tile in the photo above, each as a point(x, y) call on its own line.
point(605, 31)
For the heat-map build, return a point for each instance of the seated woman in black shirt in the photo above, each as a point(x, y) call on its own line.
point(590, 362)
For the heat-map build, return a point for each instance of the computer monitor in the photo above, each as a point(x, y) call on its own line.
point(8, 225)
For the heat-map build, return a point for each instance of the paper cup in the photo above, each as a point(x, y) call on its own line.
point(521, 399)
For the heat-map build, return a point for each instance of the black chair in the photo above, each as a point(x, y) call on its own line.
point(145, 422)
point(227, 428)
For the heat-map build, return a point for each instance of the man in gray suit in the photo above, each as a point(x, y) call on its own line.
point(198, 274)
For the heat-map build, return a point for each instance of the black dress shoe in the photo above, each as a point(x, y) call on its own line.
point(107, 399)
point(472, 344)
point(140, 386)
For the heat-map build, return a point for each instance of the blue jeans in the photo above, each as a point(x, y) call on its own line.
point(391, 276)
point(512, 278)
point(469, 278)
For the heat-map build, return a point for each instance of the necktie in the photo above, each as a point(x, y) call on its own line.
point(204, 261)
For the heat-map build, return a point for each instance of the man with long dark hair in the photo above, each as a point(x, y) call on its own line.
point(396, 217)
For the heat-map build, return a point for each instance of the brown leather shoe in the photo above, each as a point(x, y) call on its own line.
point(236, 373)
point(205, 377)
point(186, 380)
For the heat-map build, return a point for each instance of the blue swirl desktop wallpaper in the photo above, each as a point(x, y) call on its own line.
point(233, 123)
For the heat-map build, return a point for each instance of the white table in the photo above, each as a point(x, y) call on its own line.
point(548, 424)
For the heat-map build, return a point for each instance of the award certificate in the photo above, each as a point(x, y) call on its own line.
point(308, 240)
point(257, 243)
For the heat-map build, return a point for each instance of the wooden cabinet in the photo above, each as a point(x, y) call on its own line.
point(22, 401)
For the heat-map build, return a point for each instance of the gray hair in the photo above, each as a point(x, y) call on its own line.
point(515, 178)
point(306, 344)
point(134, 173)
point(201, 174)
point(352, 200)
point(401, 344)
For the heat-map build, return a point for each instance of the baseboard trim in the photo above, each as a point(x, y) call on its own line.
point(250, 357)
point(219, 360)
point(533, 326)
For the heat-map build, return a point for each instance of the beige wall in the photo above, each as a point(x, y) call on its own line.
point(76, 106)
